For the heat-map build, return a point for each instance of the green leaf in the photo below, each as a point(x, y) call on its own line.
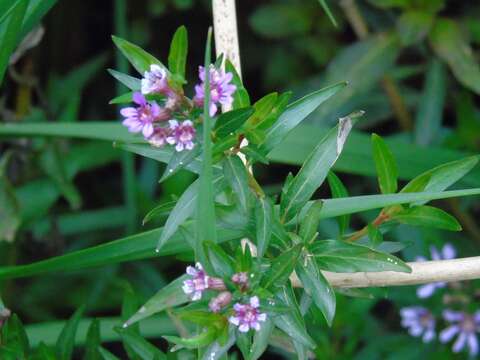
point(325, 7)
point(228, 123)
point(274, 113)
point(205, 214)
point(315, 169)
point(65, 341)
point(9, 207)
point(263, 225)
point(216, 351)
point(35, 12)
point(200, 317)
point(309, 224)
point(281, 20)
point(450, 45)
point(427, 216)
point(340, 256)
point(159, 211)
point(44, 353)
point(292, 322)
point(203, 339)
point(14, 339)
point(262, 107)
point(315, 285)
point(10, 33)
point(375, 236)
point(223, 265)
point(93, 341)
point(126, 98)
point(129, 81)
point(135, 247)
point(295, 113)
point(241, 98)
point(338, 190)
point(139, 58)
point(236, 175)
point(178, 161)
point(167, 297)
point(184, 208)
point(385, 164)
point(441, 177)
point(413, 26)
point(282, 267)
point(177, 57)
point(260, 339)
point(129, 307)
point(140, 346)
point(106, 355)
point(429, 114)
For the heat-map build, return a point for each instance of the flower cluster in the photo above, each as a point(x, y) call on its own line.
point(167, 118)
point(420, 321)
point(245, 316)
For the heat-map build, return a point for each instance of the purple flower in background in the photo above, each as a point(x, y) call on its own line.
point(247, 316)
point(155, 81)
point(141, 118)
point(241, 279)
point(181, 135)
point(448, 252)
point(466, 326)
point(159, 136)
point(197, 284)
point(419, 322)
point(221, 90)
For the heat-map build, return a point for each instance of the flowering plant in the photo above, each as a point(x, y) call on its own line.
point(249, 247)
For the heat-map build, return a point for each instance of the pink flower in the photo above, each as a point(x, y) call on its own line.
point(155, 81)
point(220, 301)
point(181, 135)
point(221, 90)
point(241, 279)
point(159, 136)
point(141, 118)
point(197, 284)
point(247, 316)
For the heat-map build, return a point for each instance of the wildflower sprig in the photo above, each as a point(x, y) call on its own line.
point(250, 247)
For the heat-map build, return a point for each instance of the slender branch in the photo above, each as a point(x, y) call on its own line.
point(422, 273)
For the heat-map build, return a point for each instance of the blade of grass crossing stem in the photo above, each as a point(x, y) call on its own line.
point(9, 34)
point(128, 166)
point(205, 207)
point(323, 4)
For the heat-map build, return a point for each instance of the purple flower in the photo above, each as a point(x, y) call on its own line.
point(181, 135)
point(159, 136)
point(141, 118)
point(220, 301)
point(419, 321)
point(155, 81)
point(247, 316)
point(241, 279)
point(221, 90)
point(197, 284)
point(448, 252)
point(465, 325)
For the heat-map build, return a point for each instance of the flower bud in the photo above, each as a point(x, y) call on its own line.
point(220, 301)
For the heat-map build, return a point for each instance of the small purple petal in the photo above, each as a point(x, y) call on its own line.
point(426, 290)
point(449, 252)
point(453, 316)
point(234, 320)
point(139, 99)
point(473, 344)
point(447, 334)
point(254, 302)
point(244, 328)
point(460, 342)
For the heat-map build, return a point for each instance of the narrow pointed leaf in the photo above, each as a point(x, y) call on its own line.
point(222, 263)
point(179, 161)
point(295, 113)
point(338, 190)
point(216, 351)
point(385, 164)
point(263, 218)
point(229, 122)
point(66, 340)
point(317, 287)
point(282, 267)
point(260, 340)
point(129, 81)
point(340, 256)
point(93, 341)
point(428, 216)
point(309, 224)
point(315, 169)
point(327, 10)
point(177, 57)
point(167, 297)
point(139, 58)
point(241, 98)
point(203, 339)
point(107, 355)
point(140, 346)
point(236, 175)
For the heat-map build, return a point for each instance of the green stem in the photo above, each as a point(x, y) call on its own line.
point(128, 163)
